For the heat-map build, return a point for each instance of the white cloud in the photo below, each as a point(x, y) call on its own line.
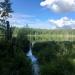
point(1, 0)
point(59, 5)
point(64, 22)
point(20, 20)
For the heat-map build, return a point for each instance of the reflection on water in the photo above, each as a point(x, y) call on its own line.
point(35, 66)
point(31, 56)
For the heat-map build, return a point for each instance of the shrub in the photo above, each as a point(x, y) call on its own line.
point(55, 58)
point(13, 60)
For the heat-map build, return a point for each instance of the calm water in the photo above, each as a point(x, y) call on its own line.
point(35, 65)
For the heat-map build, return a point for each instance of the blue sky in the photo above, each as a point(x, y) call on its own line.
point(41, 13)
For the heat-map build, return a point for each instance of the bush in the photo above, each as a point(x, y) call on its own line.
point(55, 58)
point(22, 41)
point(13, 60)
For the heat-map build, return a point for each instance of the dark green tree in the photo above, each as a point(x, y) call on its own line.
point(4, 14)
point(6, 9)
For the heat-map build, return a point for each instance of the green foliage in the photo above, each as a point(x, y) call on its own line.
point(22, 40)
point(6, 8)
point(13, 60)
point(4, 14)
point(63, 67)
point(49, 35)
point(56, 58)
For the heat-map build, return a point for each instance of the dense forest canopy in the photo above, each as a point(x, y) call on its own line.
point(48, 34)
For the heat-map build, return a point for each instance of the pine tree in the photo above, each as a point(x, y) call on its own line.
point(5, 11)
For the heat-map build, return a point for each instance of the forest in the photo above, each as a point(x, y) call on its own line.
point(48, 34)
point(55, 56)
point(54, 49)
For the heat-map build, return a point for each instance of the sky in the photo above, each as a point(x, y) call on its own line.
point(45, 14)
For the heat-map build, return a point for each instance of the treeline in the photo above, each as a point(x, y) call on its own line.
point(47, 34)
point(46, 31)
